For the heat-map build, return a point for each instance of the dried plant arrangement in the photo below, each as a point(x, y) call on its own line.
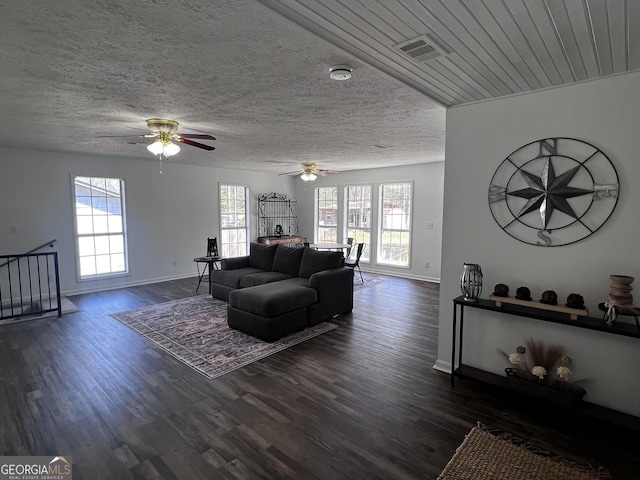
point(544, 361)
point(543, 372)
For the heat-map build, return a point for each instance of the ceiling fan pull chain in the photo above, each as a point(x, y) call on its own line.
point(160, 158)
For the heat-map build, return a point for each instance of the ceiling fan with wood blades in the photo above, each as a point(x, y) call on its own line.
point(310, 172)
point(165, 133)
point(166, 130)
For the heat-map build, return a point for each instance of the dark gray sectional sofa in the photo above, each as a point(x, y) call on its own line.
point(277, 290)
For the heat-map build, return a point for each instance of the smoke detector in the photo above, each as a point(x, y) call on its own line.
point(340, 72)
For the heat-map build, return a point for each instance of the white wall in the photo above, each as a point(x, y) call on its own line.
point(479, 136)
point(428, 182)
point(169, 215)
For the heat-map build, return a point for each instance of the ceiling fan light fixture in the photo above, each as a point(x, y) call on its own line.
point(160, 148)
point(156, 147)
point(163, 145)
point(171, 149)
point(308, 176)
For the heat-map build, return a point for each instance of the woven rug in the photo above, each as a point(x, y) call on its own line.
point(486, 456)
point(194, 330)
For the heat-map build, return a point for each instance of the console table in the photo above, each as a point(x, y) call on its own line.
point(283, 239)
point(590, 323)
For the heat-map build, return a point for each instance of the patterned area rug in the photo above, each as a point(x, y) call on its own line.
point(194, 330)
point(485, 455)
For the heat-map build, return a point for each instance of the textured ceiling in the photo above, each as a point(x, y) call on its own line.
point(255, 73)
point(73, 71)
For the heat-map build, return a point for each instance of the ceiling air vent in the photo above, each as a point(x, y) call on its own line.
point(421, 49)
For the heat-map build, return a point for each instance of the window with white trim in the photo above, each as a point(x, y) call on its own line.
point(234, 226)
point(394, 229)
point(101, 243)
point(326, 215)
point(358, 217)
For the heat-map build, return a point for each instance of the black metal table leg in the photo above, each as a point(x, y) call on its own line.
point(453, 345)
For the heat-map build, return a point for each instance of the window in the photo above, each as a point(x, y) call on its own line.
point(326, 214)
point(394, 244)
point(358, 215)
point(100, 226)
point(233, 221)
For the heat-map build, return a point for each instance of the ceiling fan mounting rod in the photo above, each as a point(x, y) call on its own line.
point(162, 125)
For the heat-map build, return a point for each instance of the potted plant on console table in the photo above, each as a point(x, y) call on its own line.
point(548, 376)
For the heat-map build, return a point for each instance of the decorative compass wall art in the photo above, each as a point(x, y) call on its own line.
point(554, 191)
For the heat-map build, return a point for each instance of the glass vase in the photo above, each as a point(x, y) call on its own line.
point(471, 282)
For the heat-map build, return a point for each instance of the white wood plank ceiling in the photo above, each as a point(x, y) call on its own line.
point(488, 48)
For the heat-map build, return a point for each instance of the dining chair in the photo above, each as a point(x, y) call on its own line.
point(349, 241)
point(351, 263)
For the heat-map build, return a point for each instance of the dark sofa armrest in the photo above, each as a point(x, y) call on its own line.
point(234, 263)
point(335, 290)
point(340, 278)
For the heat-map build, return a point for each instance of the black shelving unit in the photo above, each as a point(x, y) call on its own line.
point(590, 323)
point(277, 209)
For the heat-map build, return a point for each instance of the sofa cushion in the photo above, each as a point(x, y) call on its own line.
point(234, 262)
point(261, 256)
point(287, 260)
point(231, 278)
point(260, 278)
point(315, 261)
point(272, 299)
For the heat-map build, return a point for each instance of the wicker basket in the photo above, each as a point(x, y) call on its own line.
point(558, 393)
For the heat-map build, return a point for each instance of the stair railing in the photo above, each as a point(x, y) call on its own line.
point(29, 284)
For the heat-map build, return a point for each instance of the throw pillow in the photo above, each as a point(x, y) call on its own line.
point(287, 260)
point(261, 256)
point(315, 261)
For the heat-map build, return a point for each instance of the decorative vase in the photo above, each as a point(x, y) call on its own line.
point(555, 392)
point(471, 282)
point(620, 292)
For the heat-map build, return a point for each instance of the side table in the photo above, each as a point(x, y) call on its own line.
point(211, 264)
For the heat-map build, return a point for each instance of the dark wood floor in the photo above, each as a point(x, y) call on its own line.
point(359, 402)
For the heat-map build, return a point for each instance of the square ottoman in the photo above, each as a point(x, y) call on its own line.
point(270, 311)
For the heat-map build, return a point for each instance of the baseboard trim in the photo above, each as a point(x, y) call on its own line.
point(442, 366)
point(103, 288)
point(402, 275)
